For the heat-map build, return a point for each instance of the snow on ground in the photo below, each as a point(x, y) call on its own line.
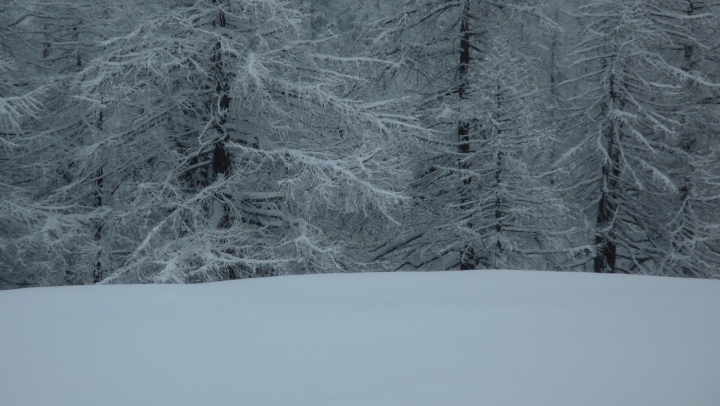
point(478, 338)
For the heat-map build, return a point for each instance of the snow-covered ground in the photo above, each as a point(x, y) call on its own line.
point(405, 339)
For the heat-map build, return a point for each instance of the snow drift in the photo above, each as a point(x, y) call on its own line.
point(404, 339)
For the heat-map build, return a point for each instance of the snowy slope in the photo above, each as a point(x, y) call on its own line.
point(404, 339)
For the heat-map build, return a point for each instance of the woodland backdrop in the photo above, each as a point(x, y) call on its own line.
point(188, 141)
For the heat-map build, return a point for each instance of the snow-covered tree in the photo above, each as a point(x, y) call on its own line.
point(20, 103)
point(199, 140)
point(19, 94)
point(480, 199)
point(627, 122)
point(211, 141)
point(695, 229)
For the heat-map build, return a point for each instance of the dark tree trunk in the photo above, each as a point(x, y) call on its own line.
point(97, 203)
point(221, 159)
point(605, 260)
point(499, 201)
point(498, 182)
point(688, 142)
point(468, 257)
point(606, 256)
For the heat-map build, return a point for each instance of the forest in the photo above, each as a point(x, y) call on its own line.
point(187, 141)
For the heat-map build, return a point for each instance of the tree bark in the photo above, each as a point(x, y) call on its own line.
point(221, 159)
point(468, 257)
point(605, 260)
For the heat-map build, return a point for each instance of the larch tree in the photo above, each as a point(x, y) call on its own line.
point(21, 94)
point(627, 123)
point(693, 26)
point(19, 91)
point(215, 141)
point(201, 140)
point(480, 200)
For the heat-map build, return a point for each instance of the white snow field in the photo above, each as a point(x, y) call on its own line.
point(482, 338)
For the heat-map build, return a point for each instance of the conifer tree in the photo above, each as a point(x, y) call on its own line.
point(480, 199)
point(628, 120)
point(202, 140)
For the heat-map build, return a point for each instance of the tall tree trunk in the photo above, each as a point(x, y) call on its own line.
point(498, 185)
point(606, 256)
point(468, 257)
point(97, 203)
point(686, 230)
point(221, 156)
